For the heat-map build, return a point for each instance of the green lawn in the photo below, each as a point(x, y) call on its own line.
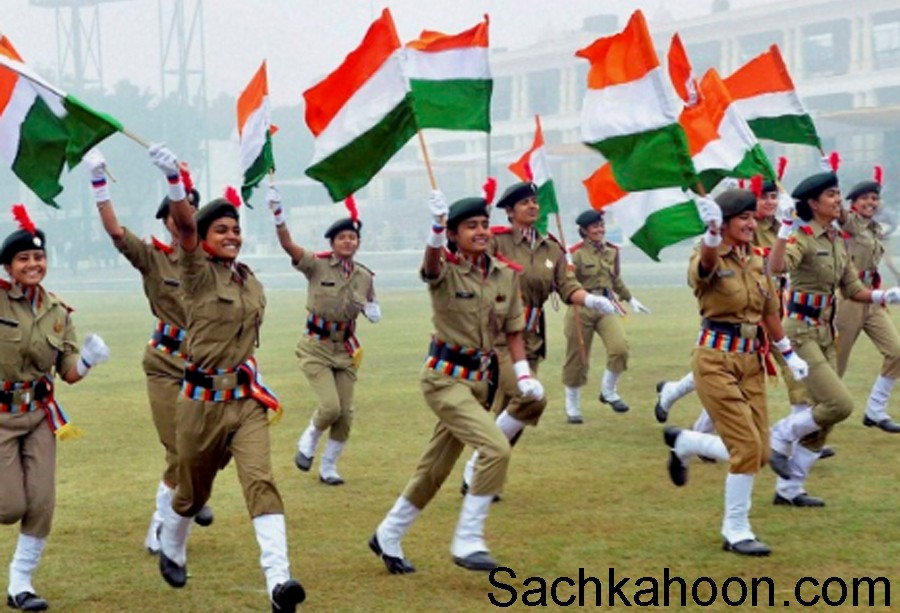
point(593, 497)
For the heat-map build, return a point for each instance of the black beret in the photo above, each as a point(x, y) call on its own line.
point(21, 240)
point(213, 210)
point(462, 210)
point(516, 192)
point(733, 202)
point(343, 224)
point(813, 186)
point(588, 217)
point(864, 187)
point(163, 211)
point(769, 186)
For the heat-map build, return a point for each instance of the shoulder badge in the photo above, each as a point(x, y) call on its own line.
point(450, 257)
point(761, 251)
point(161, 246)
point(806, 230)
point(498, 230)
point(60, 302)
point(514, 265)
point(576, 246)
point(323, 255)
point(5, 285)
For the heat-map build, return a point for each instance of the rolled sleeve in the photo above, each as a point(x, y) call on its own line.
point(136, 251)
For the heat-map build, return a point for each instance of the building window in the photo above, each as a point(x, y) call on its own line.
point(501, 99)
point(543, 91)
point(826, 48)
point(755, 44)
point(886, 39)
point(581, 73)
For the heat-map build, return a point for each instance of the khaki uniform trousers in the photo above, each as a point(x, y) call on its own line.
point(509, 398)
point(331, 375)
point(611, 332)
point(852, 318)
point(208, 434)
point(27, 472)
point(732, 388)
point(830, 399)
point(463, 420)
point(163, 388)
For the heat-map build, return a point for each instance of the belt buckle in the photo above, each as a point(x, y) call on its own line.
point(227, 381)
point(749, 330)
point(25, 397)
point(485, 362)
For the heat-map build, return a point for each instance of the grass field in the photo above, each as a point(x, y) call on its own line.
point(593, 497)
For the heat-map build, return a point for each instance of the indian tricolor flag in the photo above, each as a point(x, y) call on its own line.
point(361, 114)
point(628, 116)
point(651, 219)
point(255, 132)
point(765, 96)
point(450, 79)
point(720, 141)
point(41, 128)
point(533, 166)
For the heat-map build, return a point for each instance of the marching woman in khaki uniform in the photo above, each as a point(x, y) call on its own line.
point(475, 299)
point(37, 343)
point(818, 263)
point(736, 298)
point(222, 409)
point(866, 244)
point(543, 271)
point(163, 361)
point(340, 288)
point(597, 268)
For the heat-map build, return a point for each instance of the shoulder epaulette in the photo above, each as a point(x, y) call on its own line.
point(498, 230)
point(612, 245)
point(576, 246)
point(161, 246)
point(245, 270)
point(761, 251)
point(450, 256)
point(806, 230)
point(514, 265)
point(556, 240)
point(323, 255)
point(5, 285)
point(61, 303)
point(364, 267)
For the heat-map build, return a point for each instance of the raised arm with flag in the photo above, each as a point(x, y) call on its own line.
point(255, 132)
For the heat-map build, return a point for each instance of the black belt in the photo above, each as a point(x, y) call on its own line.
point(41, 392)
point(443, 352)
point(339, 335)
point(197, 378)
point(805, 310)
point(722, 327)
point(172, 344)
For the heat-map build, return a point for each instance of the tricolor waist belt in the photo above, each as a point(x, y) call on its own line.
point(37, 395)
point(533, 317)
point(322, 329)
point(870, 278)
point(168, 339)
point(457, 361)
point(222, 385)
point(808, 307)
point(732, 343)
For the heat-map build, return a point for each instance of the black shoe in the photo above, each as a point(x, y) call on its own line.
point(286, 596)
point(748, 547)
point(574, 419)
point(480, 560)
point(205, 517)
point(781, 464)
point(174, 575)
point(27, 601)
point(800, 500)
point(464, 489)
point(661, 414)
point(887, 424)
point(331, 480)
point(827, 452)
point(678, 472)
point(618, 405)
point(395, 565)
point(303, 462)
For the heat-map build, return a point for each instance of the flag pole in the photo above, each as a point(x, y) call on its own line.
point(427, 160)
point(582, 350)
point(140, 141)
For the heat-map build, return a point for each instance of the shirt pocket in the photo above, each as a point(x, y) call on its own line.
point(218, 316)
point(10, 341)
point(46, 352)
point(327, 298)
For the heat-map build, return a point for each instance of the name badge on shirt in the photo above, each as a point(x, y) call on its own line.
point(823, 252)
point(589, 265)
point(548, 263)
point(725, 273)
point(172, 282)
point(12, 323)
point(328, 283)
point(465, 295)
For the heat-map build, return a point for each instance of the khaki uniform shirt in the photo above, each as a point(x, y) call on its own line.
point(817, 261)
point(598, 269)
point(544, 268)
point(331, 295)
point(224, 309)
point(866, 243)
point(766, 234)
point(470, 309)
point(33, 344)
point(737, 289)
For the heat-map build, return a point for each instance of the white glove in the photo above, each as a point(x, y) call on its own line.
point(709, 211)
point(528, 385)
point(437, 204)
point(94, 351)
point(892, 295)
point(372, 312)
point(166, 161)
point(96, 165)
point(601, 304)
point(799, 367)
point(637, 307)
point(273, 197)
point(825, 164)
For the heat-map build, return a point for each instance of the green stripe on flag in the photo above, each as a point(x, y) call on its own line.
point(454, 104)
point(667, 227)
point(258, 170)
point(793, 129)
point(353, 166)
point(754, 163)
point(649, 160)
point(86, 128)
point(546, 197)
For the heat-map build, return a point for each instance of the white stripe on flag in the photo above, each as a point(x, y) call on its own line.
point(540, 167)
point(253, 137)
point(776, 104)
point(632, 210)
point(20, 103)
point(727, 151)
point(627, 108)
point(463, 63)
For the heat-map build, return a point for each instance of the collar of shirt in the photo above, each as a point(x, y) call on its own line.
point(479, 262)
point(528, 235)
point(597, 245)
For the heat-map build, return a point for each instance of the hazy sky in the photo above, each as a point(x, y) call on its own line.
point(302, 39)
